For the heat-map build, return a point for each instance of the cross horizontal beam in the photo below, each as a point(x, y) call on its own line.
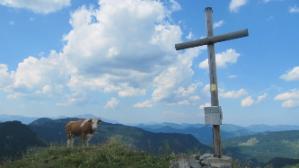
point(212, 40)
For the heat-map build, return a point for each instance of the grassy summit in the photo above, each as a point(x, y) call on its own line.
point(110, 155)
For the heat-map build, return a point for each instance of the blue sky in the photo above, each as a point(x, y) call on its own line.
point(116, 59)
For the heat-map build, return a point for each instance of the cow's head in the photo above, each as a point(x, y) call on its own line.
point(95, 122)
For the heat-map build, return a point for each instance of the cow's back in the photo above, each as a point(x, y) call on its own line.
point(73, 127)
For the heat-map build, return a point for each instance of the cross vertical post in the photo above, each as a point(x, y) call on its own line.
point(213, 114)
point(213, 81)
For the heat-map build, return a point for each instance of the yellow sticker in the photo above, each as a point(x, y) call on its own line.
point(213, 87)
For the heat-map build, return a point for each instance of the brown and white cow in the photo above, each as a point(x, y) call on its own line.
point(82, 128)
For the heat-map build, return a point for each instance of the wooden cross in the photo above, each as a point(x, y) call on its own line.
point(210, 40)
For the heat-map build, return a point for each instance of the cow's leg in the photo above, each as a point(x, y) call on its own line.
point(83, 139)
point(89, 136)
point(70, 140)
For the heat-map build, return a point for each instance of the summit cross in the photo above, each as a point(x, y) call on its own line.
point(213, 114)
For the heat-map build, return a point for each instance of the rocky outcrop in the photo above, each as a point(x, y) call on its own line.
point(203, 161)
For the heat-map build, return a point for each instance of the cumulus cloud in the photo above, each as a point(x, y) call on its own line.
point(127, 67)
point(174, 5)
point(185, 95)
point(291, 75)
point(166, 92)
point(38, 6)
point(230, 94)
point(261, 98)
point(174, 76)
point(233, 93)
point(112, 103)
point(169, 84)
point(124, 47)
point(247, 101)
point(144, 104)
point(5, 77)
point(189, 36)
point(223, 59)
point(289, 99)
point(33, 76)
point(187, 91)
point(235, 5)
point(218, 24)
point(294, 9)
point(206, 89)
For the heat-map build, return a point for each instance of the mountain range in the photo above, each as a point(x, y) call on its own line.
point(201, 132)
point(246, 144)
point(52, 131)
point(16, 138)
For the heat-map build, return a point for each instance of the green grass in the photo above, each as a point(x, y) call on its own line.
point(110, 155)
point(295, 166)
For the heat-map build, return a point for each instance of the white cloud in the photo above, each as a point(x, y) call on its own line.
point(218, 24)
point(132, 64)
point(172, 77)
point(112, 103)
point(145, 104)
point(44, 76)
point(247, 101)
point(235, 5)
point(97, 56)
point(261, 98)
point(189, 36)
point(187, 91)
point(225, 93)
point(36, 73)
point(233, 94)
point(202, 106)
point(223, 59)
point(232, 76)
point(291, 75)
point(194, 98)
point(185, 95)
point(206, 89)
point(168, 84)
point(5, 77)
point(289, 99)
point(294, 9)
point(38, 6)
point(174, 5)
